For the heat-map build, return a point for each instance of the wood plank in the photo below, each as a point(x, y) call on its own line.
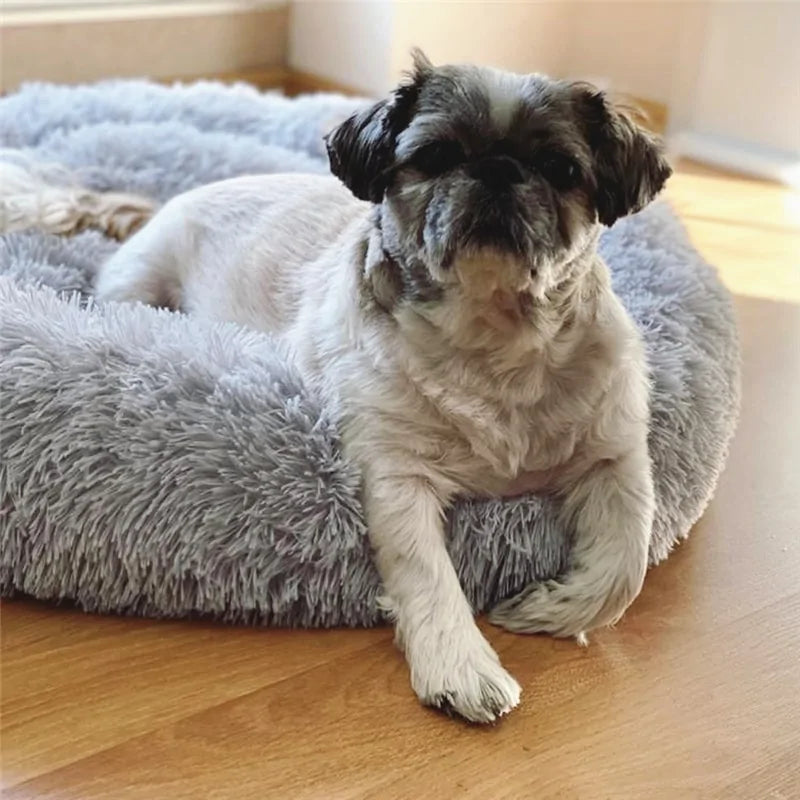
point(620, 715)
point(75, 684)
point(698, 191)
point(749, 228)
point(778, 779)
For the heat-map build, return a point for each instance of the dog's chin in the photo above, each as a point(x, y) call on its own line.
point(494, 286)
point(508, 311)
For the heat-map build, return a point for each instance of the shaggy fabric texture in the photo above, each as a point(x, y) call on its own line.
point(156, 464)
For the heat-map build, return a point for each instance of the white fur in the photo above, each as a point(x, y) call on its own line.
point(432, 405)
point(502, 89)
point(48, 198)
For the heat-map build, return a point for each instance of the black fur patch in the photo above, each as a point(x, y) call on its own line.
point(361, 149)
point(630, 167)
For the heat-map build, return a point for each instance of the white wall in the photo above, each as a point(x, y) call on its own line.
point(749, 78)
point(56, 42)
point(365, 44)
point(520, 36)
point(632, 45)
point(345, 41)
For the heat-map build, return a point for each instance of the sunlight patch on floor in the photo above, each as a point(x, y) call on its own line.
point(748, 229)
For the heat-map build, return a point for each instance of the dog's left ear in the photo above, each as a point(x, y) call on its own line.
point(361, 149)
point(630, 165)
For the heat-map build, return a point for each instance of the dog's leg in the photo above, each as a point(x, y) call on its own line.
point(452, 666)
point(29, 198)
point(610, 510)
point(116, 214)
point(147, 268)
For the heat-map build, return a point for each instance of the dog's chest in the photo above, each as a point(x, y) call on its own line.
point(533, 421)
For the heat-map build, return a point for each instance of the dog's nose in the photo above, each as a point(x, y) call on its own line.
point(496, 172)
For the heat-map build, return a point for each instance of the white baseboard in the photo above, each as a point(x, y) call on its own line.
point(141, 39)
point(760, 162)
point(43, 12)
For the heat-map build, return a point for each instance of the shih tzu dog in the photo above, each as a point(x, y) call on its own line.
point(445, 293)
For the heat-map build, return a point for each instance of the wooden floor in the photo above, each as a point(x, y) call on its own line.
point(696, 694)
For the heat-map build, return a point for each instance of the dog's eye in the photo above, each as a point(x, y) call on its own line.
point(438, 157)
point(559, 170)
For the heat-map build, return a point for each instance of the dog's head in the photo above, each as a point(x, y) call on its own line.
point(474, 166)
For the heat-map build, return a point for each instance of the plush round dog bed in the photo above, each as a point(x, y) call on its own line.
point(156, 464)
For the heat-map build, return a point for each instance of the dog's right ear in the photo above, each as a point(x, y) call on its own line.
point(361, 149)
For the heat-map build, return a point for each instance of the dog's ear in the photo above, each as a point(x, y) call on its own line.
point(629, 162)
point(361, 149)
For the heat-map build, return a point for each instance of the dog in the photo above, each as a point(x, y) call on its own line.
point(443, 291)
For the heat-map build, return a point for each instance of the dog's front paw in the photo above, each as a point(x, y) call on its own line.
point(563, 609)
point(469, 683)
point(540, 608)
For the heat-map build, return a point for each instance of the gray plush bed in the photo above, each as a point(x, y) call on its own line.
point(155, 464)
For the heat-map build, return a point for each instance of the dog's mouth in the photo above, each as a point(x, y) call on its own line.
point(497, 225)
point(493, 234)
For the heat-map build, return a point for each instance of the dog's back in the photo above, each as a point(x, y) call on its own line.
point(236, 250)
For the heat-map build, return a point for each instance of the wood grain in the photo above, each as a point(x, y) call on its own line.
point(139, 673)
point(696, 694)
